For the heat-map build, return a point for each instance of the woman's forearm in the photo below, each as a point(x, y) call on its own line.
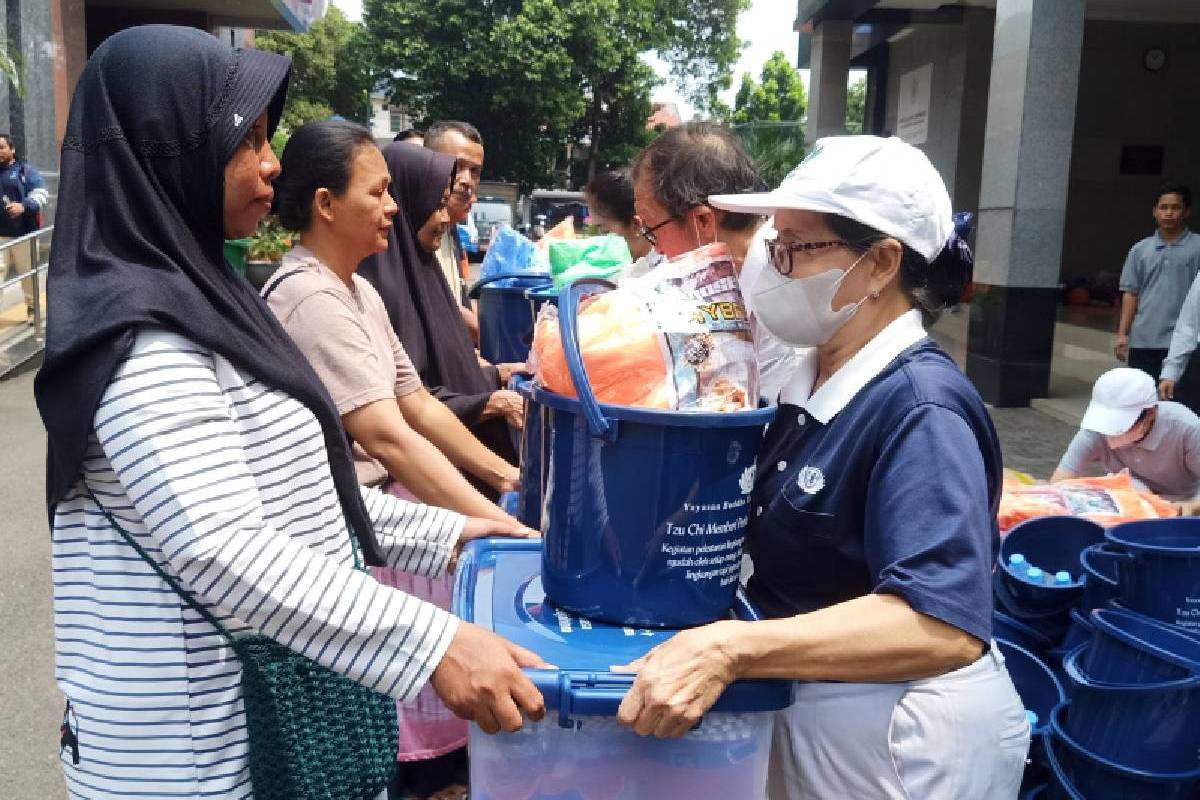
point(437, 423)
point(433, 479)
point(876, 638)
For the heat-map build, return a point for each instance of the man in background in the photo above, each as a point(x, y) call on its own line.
point(461, 140)
point(23, 195)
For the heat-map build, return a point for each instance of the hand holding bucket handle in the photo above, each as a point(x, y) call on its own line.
point(568, 328)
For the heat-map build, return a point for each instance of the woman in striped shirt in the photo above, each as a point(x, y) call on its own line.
point(174, 402)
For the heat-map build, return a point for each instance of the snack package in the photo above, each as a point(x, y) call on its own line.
point(1107, 500)
point(589, 257)
point(510, 253)
point(677, 338)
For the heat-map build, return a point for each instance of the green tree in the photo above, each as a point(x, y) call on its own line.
point(538, 75)
point(776, 147)
point(856, 103)
point(331, 70)
point(779, 97)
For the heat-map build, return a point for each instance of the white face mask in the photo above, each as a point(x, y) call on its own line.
point(799, 311)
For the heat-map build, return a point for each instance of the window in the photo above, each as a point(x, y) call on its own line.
point(399, 120)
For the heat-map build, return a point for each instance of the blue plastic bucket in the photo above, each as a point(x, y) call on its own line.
point(1035, 683)
point(1051, 624)
point(1148, 726)
point(539, 296)
point(505, 316)
point(529, 497)
point(1132, 648)
point(1052, 544)
point(1009, 628)
point(645, 511)
point(1099, 564)
point(1084, 775)
point(1160, 576)
point(1079, 632)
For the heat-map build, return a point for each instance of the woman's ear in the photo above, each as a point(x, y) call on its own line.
point(886, 263)
point(323, 204)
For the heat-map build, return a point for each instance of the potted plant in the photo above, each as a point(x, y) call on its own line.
point(266, 251)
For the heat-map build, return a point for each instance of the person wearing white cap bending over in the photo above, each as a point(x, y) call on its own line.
point(1126, 426)
point(873, 518)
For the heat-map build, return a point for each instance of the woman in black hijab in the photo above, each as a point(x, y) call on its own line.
point(425, 314)
point(175, 403)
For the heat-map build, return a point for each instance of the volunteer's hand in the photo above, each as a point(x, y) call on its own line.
point(510, 481)
point(507, 371)
point(506, 404)
point(480, 528)
point(14, 210)
point(1188, 508)
point(1121, 347)
point(1166, 389)
point(679, 680)
point(480, 679)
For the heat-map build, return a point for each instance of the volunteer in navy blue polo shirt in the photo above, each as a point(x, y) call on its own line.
point(874, 522)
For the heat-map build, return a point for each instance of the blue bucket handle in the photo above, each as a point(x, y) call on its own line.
point(568, 328)
point(473, 292)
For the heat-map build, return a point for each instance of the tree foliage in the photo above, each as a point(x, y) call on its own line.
point(776, 147)
point(538, 75)
point(779, 97)
point(331, 69)
point(856, 102)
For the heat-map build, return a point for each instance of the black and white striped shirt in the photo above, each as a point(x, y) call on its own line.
point(226, 483)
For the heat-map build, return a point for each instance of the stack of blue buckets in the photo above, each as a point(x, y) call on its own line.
point(1101, 633)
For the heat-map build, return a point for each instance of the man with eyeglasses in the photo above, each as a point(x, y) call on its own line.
point(672, 180)
point(461, 140)
point(1126, 426)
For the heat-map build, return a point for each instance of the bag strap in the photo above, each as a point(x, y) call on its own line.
point(162, 573)
point(275, 283)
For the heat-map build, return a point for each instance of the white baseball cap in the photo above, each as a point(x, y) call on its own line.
point(1118, 399)
point(885, 184)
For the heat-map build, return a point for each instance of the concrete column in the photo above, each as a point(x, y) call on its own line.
point(1022, 203)
point(31, 121)
point(830, 66)
point(70, 54)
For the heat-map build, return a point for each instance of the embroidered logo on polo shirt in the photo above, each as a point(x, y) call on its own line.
point(237, 120)
point(810, 480)
point(747, 480)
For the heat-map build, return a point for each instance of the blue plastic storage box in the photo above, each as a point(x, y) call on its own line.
point(580, 751)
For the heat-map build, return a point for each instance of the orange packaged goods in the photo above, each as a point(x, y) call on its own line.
point(1107, 501)
point(675, 339)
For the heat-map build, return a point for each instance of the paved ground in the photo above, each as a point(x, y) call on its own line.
point(30, 706)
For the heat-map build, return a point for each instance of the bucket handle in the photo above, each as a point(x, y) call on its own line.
point(568, 328)
point(473, 292)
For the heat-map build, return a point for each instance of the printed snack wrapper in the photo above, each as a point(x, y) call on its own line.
point(677, 339)
point(1106, 500)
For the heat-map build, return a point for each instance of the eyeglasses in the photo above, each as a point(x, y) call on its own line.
point(463, 191)
point(781, 253)
point(649, 233)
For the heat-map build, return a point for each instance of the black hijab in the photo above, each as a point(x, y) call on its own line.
point(425, 315)
point(138, 237)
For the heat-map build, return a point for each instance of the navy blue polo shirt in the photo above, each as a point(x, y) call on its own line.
point(896, 493)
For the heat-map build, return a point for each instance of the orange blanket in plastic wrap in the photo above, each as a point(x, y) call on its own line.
point(1107, 501)
point(678, 338)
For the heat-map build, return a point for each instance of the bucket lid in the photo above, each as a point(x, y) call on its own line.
point(499, 587)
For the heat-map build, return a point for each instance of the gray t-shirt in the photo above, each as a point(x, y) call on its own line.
point(1167, 461)
point(1160, 274)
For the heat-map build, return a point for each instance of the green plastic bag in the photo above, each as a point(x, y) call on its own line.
point(592, 257)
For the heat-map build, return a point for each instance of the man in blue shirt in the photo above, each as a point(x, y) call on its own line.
point(1157, 274)
point(23, 196)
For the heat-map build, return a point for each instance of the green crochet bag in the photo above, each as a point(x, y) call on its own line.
point(313, 734)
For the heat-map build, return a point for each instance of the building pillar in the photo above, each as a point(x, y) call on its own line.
point(1022, 204)
point(70, 54)
point(31, 113)
point(830, 66)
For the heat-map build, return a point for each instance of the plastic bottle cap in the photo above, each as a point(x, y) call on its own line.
point(1016, 559)
point(1032, 717)
point(1034, 573)
point(1062, 576)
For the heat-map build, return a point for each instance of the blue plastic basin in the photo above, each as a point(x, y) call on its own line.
point(1099, 564)
point(1039, 689)
point(1153, 727)
point(1052, 624)
point(1160, 576)
point(645, 511)
point(505, 316)
point(533, 476)
point(1083, 775)
point(1005, 626)
point(1053, 544)
point(1131, 649)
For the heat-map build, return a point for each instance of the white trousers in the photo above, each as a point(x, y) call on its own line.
point(959, 736)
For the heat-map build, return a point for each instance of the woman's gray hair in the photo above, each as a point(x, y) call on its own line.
point(690, 162)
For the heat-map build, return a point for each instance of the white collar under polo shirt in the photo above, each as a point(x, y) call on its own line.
point(901, 334)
